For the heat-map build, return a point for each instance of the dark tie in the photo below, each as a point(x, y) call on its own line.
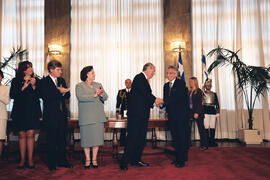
point(56, 82)
point(170, 88)
point(57, 85)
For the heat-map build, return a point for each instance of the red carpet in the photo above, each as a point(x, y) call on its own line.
point(215, 163)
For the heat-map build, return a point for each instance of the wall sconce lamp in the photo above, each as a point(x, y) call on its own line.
point(55, 49)
point(178, 46)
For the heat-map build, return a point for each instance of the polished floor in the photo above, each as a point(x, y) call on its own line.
point(231, 160)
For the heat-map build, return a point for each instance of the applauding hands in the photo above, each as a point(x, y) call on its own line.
point(98, 92)
point(62, 89)
point(29, 80)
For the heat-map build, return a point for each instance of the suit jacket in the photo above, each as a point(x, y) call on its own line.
point(53, 100)
point(91, 109)
point(197, 98)
point(122, 101)
point(177, 102)
point(141, 98)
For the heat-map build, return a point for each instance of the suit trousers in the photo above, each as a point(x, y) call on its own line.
point(56, 139)
point(180, 136)
point(203, 137)
point(136, 139)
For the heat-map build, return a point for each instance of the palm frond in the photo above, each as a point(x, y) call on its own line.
point(250, 79)
point(8, 63)
point(14, 53)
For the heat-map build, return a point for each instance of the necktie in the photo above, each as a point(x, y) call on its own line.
point(60, 105)
point(170, 88)
point(56, 82)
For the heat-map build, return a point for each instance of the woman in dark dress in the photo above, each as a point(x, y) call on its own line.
point(26, 111)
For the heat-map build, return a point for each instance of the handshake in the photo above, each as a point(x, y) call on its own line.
point(159, 102)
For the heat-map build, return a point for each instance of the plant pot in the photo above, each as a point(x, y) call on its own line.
point(250, 136)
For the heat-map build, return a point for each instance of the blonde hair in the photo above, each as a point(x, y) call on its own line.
point(195, 83)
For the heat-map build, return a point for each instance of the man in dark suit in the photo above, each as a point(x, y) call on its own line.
point(122, 107)
point(140, 101)
point(176, 103)
point(54, 92)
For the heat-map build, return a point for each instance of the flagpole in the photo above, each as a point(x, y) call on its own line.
point(202, 68)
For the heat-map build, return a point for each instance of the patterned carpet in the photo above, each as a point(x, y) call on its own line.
point(219, 163)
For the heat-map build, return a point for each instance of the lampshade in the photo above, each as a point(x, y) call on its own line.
point(55, 49)
point(178, 45)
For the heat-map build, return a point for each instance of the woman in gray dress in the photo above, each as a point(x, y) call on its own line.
point(91, 97)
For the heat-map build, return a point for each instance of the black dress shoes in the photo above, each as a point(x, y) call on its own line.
point(87, 164)
point(140, 163)
point(179, 164)
point(95, 166)
point(65, 165)
point(123, 166)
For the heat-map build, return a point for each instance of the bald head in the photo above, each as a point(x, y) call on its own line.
point(149, 69)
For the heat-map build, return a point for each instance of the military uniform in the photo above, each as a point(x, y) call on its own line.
point(211, 107)
point(121, 108)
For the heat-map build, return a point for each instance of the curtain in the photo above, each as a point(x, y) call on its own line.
point(234, 25)
point(23, 25)
point(117, 37)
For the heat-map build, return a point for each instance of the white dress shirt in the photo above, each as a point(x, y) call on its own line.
point(172, 82)
point(54, 80)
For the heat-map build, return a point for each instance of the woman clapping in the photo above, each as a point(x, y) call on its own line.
point(91, 97)
point(26, 111)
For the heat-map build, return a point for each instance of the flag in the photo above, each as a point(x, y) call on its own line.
point(180, 67)
point(204, 70)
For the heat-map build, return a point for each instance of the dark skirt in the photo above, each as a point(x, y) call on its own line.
point(26, 117)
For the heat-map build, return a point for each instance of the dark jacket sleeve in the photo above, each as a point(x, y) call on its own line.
point(197, 102)
point(63, 83)
point(144, 89)
point(15, 89)
point(181, 91)
point(37, 90)
point(47, 92)
point(164, 95)
point(118, 102)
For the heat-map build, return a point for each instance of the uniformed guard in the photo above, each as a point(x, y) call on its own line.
point(211, 109)
point(122, 107)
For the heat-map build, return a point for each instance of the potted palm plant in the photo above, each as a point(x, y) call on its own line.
point(9, 63)
point(252, 83)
